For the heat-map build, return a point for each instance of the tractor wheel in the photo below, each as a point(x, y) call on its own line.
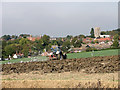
point(58, 57)
point(61, 58)
point(65, 56)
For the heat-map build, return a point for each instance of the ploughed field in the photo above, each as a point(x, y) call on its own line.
point(98, 64)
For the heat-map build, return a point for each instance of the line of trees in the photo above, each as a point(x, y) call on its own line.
point(112, 33)
point(23, 45)
point(27, 47)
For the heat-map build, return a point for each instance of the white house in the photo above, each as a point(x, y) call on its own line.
point(15, 56)
point(104, 36)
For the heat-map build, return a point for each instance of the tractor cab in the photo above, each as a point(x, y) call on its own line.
point(57, 54)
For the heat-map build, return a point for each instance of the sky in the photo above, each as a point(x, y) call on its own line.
point(60, 0)
point(119, 15)
point(58, 19)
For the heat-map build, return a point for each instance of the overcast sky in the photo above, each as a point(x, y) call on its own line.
point(58, 18)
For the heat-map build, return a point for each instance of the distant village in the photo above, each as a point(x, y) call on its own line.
point(26, 45)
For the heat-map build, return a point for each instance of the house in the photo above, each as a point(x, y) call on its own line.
point(45, 54)
point(53, 38)
point(76, 50)
point(34, 38)
point(18, 55)
point(63, 39)
point(104, 39)
point(87, 40)
point(1, 39)
point(105, 36)
point(83, 48)
point(119, 37)
point(15, 56)
point(12, 39)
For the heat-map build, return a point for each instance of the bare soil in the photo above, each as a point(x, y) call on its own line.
point(106, 64)
point(95, 72)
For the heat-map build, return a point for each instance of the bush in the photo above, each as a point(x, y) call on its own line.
point(25, 51)
point(96, 41)
point(91, 49)
point(92, 42)
point(115, 44)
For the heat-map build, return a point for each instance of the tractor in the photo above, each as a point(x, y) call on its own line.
point(57, 54)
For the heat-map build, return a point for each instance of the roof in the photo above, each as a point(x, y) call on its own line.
point(33, 38)
point(103, 39)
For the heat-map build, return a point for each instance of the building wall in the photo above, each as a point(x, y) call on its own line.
point(106, 36)
point(97, 32)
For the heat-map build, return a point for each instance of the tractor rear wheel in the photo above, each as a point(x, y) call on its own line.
point(58, 56)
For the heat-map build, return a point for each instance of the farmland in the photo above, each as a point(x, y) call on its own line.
point(75, 73)
point(59, 45)
point(80, 70)
point(69, 56)
point(95, 53)
point(38, 58)
point(60, 80)
point(99, 64)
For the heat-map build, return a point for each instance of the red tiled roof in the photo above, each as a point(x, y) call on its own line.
point(104, 39)
point(38, 38)
point(34, 38)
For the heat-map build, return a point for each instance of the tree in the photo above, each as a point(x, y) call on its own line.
point(0, 48)
point(81, 40)
point(16, 41)
point(4, 44)
point(38, 45)
point(116, 37)
point(25, 50)
point(92, 42)
point(116, 42)
point(81, 36)
point(10, 49)
point(69, 36)
point(112, 33)
point(96, 41)
point(14, 36)
point(54, 42)
point(66, 46)
point(18, 47)
point(45, 39)
point(60, 42)
point(24, 41)
point(92, 33)
point(3, 48)
point(78, 44)
point(48, 47)
point(6, 37)
point(24, 35)
point(74, 40)
point(103, 33)
point(26, 46)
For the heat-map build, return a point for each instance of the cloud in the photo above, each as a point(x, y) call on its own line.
point(58, 19)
